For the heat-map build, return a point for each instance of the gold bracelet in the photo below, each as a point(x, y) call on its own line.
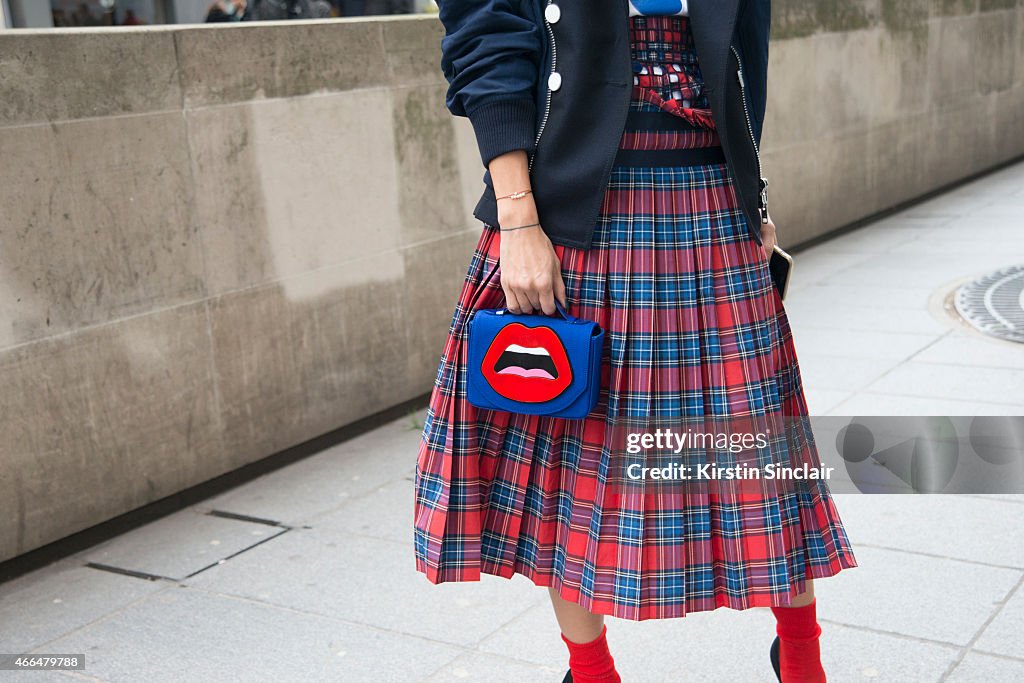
point(518, 227)
point(518, 194)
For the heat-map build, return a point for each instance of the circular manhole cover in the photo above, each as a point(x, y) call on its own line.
point(994, 303)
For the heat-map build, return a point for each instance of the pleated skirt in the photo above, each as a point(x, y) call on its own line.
point(694, 329)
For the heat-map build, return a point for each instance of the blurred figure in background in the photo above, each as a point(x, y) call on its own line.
point(228, 10)
point(351, 8)
point(321, 9)
point(83, 16)
point(356, 8)
point(391, 7)
point(276, 10)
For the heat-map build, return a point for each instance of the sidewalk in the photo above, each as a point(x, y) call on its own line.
point(317, 584)
point(867, 309)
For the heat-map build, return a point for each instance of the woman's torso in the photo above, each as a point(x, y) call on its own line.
point(581, 113)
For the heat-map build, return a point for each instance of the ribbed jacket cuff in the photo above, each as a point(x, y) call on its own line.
point(504, 126)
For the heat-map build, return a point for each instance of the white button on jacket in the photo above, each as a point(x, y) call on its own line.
point(552, 13)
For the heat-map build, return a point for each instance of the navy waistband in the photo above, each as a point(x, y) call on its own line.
point(669, 157)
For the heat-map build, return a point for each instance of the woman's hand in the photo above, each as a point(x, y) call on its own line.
point(768, 237)
point(531, 275)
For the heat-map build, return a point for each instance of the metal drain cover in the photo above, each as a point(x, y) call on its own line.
point(994, 303)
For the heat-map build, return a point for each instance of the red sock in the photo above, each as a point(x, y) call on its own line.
point(799, 653)
point(592, 662)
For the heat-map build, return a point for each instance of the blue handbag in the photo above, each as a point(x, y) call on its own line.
point(534, 364)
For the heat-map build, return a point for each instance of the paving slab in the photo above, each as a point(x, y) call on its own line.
point(896, 346)
point(894, 277)
point(384, 513)
point(966, 383)
point(186, 634)
point(962, 348)
point(846, 295)
point(903, 593)
point(868, 239)
point(691, 648)
point(653, 650)
point(802, 316)
point(369, 581)
point(1017, 498)
point(38, 607)
point(1003, 635)
point(476, 667)
point(815, 265)
point(925, 524)
point(856, 655)
point(51, 676)
point(946, 205)
point(875, 403)
point(179, 544)
point(820, 401)
point(329, 479)
point(825, 371)
point(980, 668)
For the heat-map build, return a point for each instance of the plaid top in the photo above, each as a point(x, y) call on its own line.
point(665, 68)
point(654, 7)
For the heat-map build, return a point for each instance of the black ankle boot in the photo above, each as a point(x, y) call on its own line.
point(774, 654)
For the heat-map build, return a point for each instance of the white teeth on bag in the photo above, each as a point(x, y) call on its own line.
point(536, 363)
point(534, 350)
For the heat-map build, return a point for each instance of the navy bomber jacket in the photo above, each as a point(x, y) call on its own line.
point(554, 78)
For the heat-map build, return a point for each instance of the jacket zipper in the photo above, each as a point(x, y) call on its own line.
point(762, 183)
point(547, 101)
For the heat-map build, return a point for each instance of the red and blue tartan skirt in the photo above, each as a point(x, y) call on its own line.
point(694, 328)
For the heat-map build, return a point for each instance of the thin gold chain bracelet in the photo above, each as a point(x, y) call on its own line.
point(518, 194)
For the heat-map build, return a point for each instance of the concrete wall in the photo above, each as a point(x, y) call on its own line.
point(217, 242)
point(874, 102)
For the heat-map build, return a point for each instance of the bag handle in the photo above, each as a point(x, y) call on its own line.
point(558, 307)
